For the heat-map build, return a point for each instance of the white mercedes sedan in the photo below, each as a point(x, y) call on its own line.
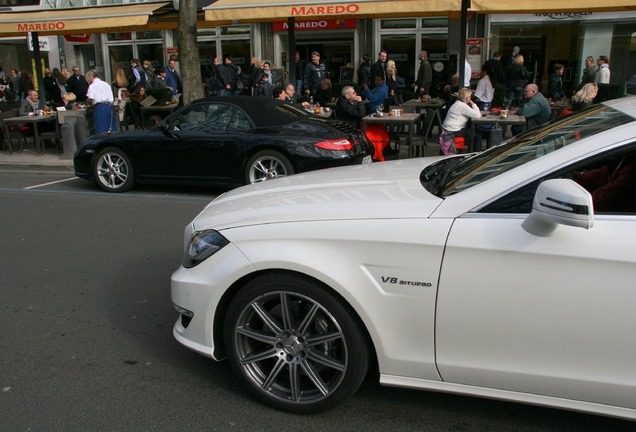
point(508, 274)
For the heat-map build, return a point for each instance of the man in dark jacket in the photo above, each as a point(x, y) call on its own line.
point(139, 74)
point(379, 68)
point(424, 76)
point(77, 84)
point(350, 107)
point(496, 66)
point(229, 75)
point(314, 73)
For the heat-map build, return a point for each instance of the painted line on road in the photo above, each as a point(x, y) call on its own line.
point(109, 194)
point(53, 182)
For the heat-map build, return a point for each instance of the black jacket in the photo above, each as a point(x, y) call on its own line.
point(314, 73)
point(351, 112)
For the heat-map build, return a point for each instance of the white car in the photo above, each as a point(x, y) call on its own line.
point(495, 275)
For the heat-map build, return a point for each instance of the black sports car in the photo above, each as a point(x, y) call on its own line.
point(228, 141)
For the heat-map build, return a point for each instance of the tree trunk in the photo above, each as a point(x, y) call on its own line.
point(189, 52)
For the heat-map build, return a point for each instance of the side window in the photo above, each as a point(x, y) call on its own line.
point(205, 117)
point(610, 178)
point(239, 122)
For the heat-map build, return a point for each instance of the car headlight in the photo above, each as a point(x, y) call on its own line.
point(203, 244)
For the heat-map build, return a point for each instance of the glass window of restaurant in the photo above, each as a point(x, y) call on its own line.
point(221, 41)
point(124, 46)
point(404, 38)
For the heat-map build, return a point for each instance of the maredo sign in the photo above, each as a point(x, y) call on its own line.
point(315, 25)
point(325, 10)
point(44, 26)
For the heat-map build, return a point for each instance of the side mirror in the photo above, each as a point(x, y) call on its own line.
point(559, 202)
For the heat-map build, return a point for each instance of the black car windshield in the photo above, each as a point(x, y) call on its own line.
point(529, 146)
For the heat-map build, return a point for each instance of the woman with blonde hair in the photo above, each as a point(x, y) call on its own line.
point(516, 79)
point(120, 85)
point(51, 89)
point(457, 122)
point(255, 73)
point(324, 94)
point(584, 97)
point(391, 77)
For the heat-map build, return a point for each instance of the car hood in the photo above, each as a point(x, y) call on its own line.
point(376, 191)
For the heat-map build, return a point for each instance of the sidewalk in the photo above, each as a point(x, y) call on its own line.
point(51, 160)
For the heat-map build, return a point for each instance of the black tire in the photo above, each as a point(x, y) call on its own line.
point(113, 171)
point(267, 165)
point(294, 329)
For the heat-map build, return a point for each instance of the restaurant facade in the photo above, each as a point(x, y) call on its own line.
point(543, 38)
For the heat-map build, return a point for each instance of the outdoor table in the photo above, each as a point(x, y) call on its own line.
point(491, 119)
point(432, 108)
point(34, 120)
point(406, 119)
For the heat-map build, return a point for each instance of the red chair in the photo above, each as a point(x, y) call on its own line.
point(459, 144)
point(379, 137)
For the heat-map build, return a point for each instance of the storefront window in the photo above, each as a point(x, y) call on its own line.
point(119, 57)
point(401, 50)
point(118, 36)
point(398, 23)
point(235, 30)
point(149, 35)
point(434, 22)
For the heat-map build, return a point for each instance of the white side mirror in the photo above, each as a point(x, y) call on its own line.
point(559, 202)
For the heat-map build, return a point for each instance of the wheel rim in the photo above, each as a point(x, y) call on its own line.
point(267, 168)
point(291, 348)
point(112, 170)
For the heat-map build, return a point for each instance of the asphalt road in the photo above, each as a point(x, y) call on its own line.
point(86, 330)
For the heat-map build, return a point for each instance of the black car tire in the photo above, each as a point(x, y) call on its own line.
point(294, 344)
point(267, 165)
point(113, 171)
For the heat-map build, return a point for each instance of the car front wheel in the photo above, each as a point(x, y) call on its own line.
point(294, 344)
point(267, 165)
point(113, 171)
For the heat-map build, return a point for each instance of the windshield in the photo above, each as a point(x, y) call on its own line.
point(530, 146)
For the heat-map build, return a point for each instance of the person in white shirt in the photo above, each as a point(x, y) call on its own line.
point(100, 95)
point(485, 90)
point(603, 73)
point(457, 120)
point(467, 73)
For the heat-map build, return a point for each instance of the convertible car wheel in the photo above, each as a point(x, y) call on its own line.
point(113, 171)
point(267, 165)
point(295, 345)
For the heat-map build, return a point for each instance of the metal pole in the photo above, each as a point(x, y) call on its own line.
point(291, 51)
point(38, 68)
point(461, 67)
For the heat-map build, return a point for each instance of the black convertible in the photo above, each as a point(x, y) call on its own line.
point(226, 141)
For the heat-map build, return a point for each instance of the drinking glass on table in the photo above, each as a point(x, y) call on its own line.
point(380, 109)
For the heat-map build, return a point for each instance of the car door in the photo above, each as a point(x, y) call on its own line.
point(553, 315)
point(193, 144)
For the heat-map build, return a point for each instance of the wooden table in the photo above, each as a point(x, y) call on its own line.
point(491, 119)
point(34, 120)
point(432, 108)
point(164, 110)
point(406, 119)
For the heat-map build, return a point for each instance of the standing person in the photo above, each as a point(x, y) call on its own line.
point(213, 82)
point(229, 78)
point(314, 73)
point(391, 78)
point(457, 120)
point(516, 79)
point(422, 84)
point(377, 94)
point(603, 73)
point(300, 72)
point(364, 70)
point(77, 84)
point(350, 107)
point(267, 69)
point(535, 108)
point(253, 76)
point(264, 86)
point(3, 77)
point(16, 85)
point(589, 73)
point(51, 89)
point(497, 68)
point(379, 68)
point(100, 95)
point(26, 83)
point(120, 85)
point(173, 79)
point(555, 84)
point(139, 75)
point(468, 71)
point(485, 90)
point(160, 80)
point(150, 72)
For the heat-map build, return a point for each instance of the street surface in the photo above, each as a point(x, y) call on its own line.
point(86, 341)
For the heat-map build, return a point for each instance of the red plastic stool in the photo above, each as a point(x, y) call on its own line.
point(459, 144)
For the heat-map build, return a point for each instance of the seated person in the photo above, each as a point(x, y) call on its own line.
point(377, 95)
point(69, 99)
point(350, 107)
point(535, 108)
point(613, 188)
point(457, 120)
point(324, 94)
point(585, 97)
point(31, 103)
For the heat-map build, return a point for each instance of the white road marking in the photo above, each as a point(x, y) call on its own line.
point(50, 183)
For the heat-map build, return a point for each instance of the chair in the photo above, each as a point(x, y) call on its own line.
point(7, 131)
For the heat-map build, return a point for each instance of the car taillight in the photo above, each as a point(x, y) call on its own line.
point(337, 144)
